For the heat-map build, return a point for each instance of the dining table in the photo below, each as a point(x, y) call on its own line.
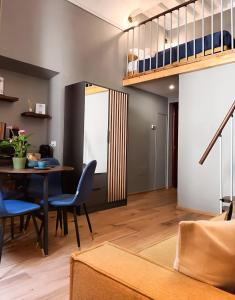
point(44, 172)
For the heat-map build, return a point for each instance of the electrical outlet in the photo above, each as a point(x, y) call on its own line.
point(53, 144)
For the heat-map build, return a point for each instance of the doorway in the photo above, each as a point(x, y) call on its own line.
point(173, 142)
point(158, 152)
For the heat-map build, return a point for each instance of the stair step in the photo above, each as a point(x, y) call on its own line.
point(225, 208)
point(226, 199)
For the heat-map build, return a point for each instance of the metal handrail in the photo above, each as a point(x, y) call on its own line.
point(162, 14)
point(217, 134)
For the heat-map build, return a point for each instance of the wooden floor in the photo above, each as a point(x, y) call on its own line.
point(26, 274)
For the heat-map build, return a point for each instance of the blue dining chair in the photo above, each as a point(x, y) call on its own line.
point(11, 208)
point(84, 189)
point(35, 191)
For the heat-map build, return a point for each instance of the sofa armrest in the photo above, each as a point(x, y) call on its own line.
point(109, 272)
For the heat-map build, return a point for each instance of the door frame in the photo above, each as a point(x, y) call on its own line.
point(171, 102)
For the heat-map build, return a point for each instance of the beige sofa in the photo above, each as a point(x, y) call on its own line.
point(110, 272)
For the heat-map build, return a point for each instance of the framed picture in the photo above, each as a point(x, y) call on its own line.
point(40, 108)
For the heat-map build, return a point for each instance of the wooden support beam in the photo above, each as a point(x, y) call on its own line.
point(199, 63)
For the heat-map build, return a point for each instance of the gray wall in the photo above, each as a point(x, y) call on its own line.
point(58, 35)
point(143, 112)
point(25, 87)
point(204, 99)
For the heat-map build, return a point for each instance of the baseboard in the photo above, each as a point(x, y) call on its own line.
point(147, 191)
point(196, 211)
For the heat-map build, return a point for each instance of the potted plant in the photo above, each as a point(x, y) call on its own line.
point(20, 145)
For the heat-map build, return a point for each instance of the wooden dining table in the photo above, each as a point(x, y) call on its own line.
point(41, 172)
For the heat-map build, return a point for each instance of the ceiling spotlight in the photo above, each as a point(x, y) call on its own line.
point(171, 87)
point(130, 19)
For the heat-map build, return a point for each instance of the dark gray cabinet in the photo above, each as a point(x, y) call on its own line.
point(110, 188)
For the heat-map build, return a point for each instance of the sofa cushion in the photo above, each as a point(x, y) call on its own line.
point(162, 253)
point(109, 272)
point(206, 252)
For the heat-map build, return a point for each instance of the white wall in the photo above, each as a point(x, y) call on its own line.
point(204, 99)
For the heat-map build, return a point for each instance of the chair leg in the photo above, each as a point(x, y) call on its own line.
point(12, 228)
point(87, 217)
point(37, 231)
point(65, 220)
point(57, 222)
point(1, 237)
point(21, 223)
point(40, 229)
point(27, 222)
point(76, 225)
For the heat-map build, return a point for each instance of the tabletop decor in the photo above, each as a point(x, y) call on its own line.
point(19, 142)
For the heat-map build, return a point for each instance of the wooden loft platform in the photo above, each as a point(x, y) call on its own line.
point(195, 64)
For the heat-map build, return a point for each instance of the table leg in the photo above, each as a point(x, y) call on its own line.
point(45, 211)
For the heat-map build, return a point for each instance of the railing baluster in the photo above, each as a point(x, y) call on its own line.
point(212, 26)
point(194, 30)
point(186, 34)
point(138, 59)
point(178, 36)
point(171, 38)
point(232, 41)
point(164, 37)
point(150, 61)
point(231, 159)
point(221, 25)
point(203, 28)
point(157, 42)
point(133, 45)
point(127, 51)
point(221, 172)
point(144, 46)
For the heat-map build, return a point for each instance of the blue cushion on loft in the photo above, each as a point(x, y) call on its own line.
point(18, 207)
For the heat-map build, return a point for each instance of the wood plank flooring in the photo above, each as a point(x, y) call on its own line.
point(26, 274)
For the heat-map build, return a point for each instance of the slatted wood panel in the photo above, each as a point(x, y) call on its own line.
point(118, 103)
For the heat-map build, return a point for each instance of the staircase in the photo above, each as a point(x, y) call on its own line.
point(226, 201)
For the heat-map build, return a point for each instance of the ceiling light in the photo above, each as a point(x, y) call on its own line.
point(171, 87)
point(130, 19)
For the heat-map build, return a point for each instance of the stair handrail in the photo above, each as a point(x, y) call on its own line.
point(184, 4)
point(217, 134)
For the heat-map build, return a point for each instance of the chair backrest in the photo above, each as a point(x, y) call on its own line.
point(3, 211)
point(85, 183)
point(35, 186)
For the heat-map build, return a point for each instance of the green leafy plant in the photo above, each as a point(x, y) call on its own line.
point(18, 142)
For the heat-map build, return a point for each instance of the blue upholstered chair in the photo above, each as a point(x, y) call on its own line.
point(11, 208)
point(84, 189)
point(35, 184)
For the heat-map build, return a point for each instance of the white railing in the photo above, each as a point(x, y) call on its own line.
point(194, 28)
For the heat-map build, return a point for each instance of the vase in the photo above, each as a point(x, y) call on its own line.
point(19, 162)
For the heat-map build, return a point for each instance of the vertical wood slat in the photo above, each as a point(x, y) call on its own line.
point(117, 146)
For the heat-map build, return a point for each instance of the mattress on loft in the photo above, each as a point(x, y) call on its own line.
point(182, 52)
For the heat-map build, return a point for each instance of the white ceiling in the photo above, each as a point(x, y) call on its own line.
point(117, 12)
point(161, 86)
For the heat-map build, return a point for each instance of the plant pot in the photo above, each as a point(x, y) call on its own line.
point(19, 162)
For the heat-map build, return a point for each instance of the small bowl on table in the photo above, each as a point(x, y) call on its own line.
point(42, 164)
point(32, 163)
